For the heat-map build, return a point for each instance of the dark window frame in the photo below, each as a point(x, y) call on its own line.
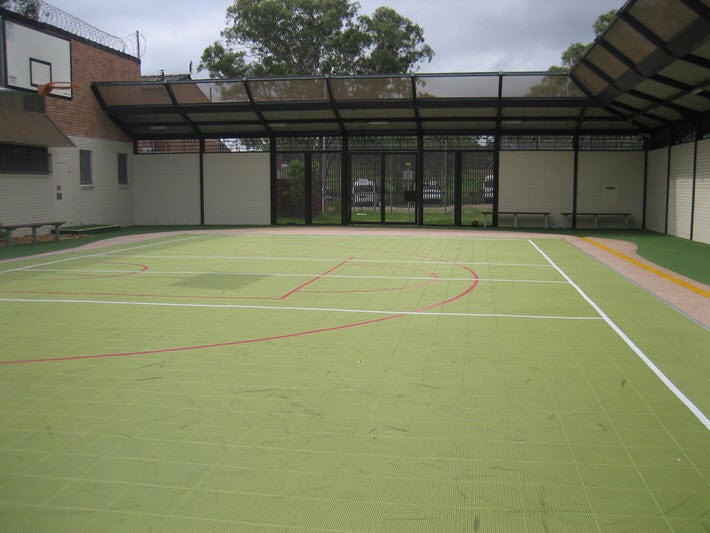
point(20, 159)
point(85, 175)
point(122, 161)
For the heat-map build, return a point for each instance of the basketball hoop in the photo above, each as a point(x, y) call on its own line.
point(46, 89)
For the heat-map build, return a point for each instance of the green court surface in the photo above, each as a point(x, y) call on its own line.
point(255, 382)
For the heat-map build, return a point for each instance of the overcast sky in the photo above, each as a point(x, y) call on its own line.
point(466, 35)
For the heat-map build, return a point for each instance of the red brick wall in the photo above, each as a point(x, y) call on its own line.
point(82, 115)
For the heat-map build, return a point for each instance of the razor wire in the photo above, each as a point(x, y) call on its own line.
point(53, 16)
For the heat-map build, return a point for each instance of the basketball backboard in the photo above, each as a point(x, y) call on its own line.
point(34, 58)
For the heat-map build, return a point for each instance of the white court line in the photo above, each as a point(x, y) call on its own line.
point(277, 275)
point(89, 256)
point(443, 262)
point(286, 308)
point(667, 382)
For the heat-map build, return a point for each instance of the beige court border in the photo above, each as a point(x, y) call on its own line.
point(651, 269)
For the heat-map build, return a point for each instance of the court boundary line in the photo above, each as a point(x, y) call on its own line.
point(650, 364)
point(292, 308)
point(88, 256)
point(146, 272)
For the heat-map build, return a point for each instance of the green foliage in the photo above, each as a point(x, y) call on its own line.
point(561, 85)
point(313, 37)
point(603, 22)
point(576, 51)
point(395, 43)
point(28, 8)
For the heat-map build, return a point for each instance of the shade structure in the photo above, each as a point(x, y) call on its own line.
point(652, 64)
point(475, 103)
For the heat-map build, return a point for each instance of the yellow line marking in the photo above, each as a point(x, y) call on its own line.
point(652, 270)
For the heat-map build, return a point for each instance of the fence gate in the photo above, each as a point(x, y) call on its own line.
point(383, 188)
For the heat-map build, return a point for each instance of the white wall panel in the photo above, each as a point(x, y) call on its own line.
point(237, 189)
point(657, 175)
point(701, 223)
point(680, 190)
point(610, 182)
point(60, 196)
point(535, 181)
point(26, 198)
point(166, 189)
point(102, 202)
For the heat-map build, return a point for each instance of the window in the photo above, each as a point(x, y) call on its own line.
point(122, 169)
point(24, 159)
point(85, 167)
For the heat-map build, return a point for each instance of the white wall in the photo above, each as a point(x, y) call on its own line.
point(102, 202)
point(535, 181)
point(656, 185)
point(237, 189)
point(701, 224)
point(26, 198)
point(610, 182)
point(166, 189)
point(59, 196)
point(680, 190)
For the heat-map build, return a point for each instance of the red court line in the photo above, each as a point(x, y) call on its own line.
point(434, 278)
point(143, 268)
point(313, 280)
point(473, 285)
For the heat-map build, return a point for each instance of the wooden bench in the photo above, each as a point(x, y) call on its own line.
point(515, 216)
point(9, 228)
point(596, 215)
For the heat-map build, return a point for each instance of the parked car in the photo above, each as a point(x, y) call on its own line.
point(364, 193)
point(433, 194)
point(488, 189)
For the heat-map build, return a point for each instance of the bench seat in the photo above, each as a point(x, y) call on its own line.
point(596, 215)
point(515, 216)
point(10, 228)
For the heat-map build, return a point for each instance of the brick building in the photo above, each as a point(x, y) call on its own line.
point(62, 156)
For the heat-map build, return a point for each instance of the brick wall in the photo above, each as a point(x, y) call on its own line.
point(82, 115)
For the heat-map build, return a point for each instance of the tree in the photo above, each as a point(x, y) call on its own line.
point(313, 37)
point(28, 8)
point(576, 51)
point(561, 85)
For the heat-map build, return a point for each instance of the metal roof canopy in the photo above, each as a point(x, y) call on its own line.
point(650, 68)
point(428, 104)
point(652, 65)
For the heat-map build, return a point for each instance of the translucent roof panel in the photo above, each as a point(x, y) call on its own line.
point(223, 117)
point(665, 18)
point(607, 62)
point(289, 90)
point(319, 114)
point(446, 112)
point(377, 113)
point(463, 86)
point(540, 112)
point(628, 41)
point(212, 91)
point(152, 118)
point(462, 125)
point(695, 102)
point(550, 85)
point(686, 72)
point(372, 88)
point(236, 129)
point(131, 94)
point(591, 80)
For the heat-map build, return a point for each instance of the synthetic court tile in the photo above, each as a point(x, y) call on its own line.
point(270, 383)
